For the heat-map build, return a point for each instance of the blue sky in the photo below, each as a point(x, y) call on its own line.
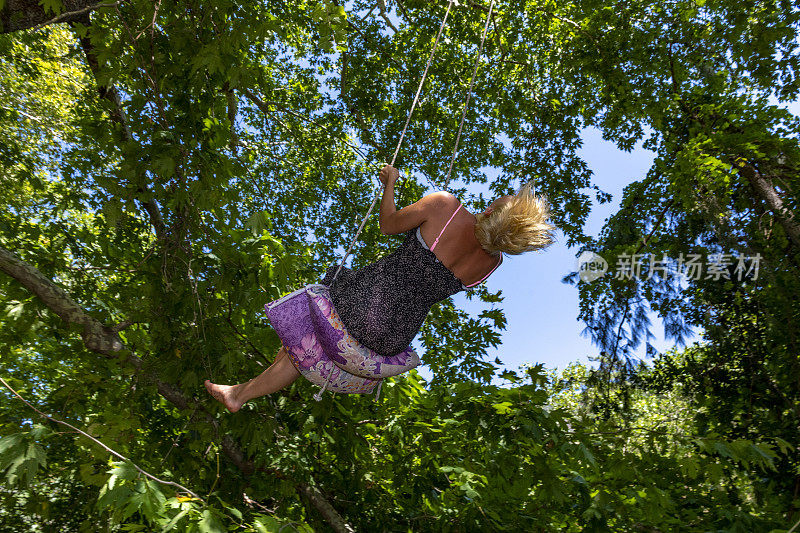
point(541, 312)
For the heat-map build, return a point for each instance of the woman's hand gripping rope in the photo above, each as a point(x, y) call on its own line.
point(389, 175)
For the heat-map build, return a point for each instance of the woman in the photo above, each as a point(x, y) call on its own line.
point(383, 305)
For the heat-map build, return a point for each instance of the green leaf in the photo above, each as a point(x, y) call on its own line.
point(209, 523)
point(175, 520)
point(510, 376)
point(9, 441)
point(124, 470)
point(784, 446)
point(267, 524)
point(587, 454)
point(54, 7)
point(503, 407)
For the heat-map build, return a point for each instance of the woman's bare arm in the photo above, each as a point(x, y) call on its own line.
point(393, 221)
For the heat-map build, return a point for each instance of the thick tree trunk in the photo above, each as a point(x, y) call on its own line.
point(19, 15)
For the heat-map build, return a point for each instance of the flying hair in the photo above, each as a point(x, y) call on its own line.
point(518, 226)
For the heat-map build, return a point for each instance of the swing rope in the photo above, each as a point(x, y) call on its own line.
point(402, 136)
point(421, 83)
point(469, 94)
point(411, 111)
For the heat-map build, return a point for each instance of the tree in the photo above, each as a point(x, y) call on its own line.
point(167, 169)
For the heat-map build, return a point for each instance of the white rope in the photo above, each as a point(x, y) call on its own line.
point(400, 142)
point(318, 395)
point(411, 111)
point(422, 81)
point(358, 232)
point(469, 94)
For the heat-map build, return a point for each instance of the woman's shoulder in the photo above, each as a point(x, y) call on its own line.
point(442, 200)
point(442, 196)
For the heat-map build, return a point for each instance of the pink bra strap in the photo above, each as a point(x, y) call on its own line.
point(489, 274)
point(445, 227)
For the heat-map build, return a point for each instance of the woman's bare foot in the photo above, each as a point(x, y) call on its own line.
point(225, 394)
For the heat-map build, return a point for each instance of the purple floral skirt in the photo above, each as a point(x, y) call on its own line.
point(323, 351)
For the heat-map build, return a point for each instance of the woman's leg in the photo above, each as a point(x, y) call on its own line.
point(279, 375)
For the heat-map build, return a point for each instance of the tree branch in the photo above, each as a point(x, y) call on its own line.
point(264, 107)
point(767, 192)
point(321, 504)
point(233, 107)
point(99, 443)
point(96, 336)
point(18, 15)
point(382, 8)
point(104, 340)
point(403, 10)
point(73, 15)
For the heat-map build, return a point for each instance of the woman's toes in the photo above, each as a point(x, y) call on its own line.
point(223, 394)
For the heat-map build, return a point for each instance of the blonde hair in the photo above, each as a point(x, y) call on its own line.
point(517, 226)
